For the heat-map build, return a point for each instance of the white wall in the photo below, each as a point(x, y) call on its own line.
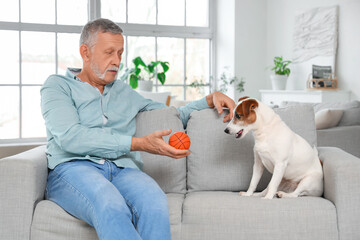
point(263, 29)
point(241, 41)
point(250, 47)
point(280, 23)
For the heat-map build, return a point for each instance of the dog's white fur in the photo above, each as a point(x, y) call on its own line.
point(295, 165)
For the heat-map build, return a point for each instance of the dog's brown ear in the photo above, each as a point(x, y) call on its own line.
point(249, 106)
point(240, 99)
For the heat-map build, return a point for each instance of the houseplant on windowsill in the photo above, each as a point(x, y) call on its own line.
point(142, 74)
point(282, 72)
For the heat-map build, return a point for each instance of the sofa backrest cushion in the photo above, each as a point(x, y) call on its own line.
point(219, 162)
point(350, 117)
point(169, 173)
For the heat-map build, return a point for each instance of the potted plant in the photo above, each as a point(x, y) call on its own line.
point(282, 72)
point(142, 74)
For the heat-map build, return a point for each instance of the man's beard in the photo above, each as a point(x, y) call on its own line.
point(100, 75)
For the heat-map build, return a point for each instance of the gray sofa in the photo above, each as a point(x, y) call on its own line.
point(202, 189)
point(346, 134)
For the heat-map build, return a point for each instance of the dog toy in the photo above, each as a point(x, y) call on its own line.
point(180, 140)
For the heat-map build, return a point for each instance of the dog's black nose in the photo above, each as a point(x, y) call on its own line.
point(226, 130)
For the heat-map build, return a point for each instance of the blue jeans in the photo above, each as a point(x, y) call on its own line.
point(120, 203)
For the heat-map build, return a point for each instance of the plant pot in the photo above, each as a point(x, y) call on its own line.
point(145, 85)
point(278, 82)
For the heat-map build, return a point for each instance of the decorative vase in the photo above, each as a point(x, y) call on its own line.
point(145, 85)
point(278, 82)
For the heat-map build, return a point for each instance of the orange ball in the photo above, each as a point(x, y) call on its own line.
point(180, 140)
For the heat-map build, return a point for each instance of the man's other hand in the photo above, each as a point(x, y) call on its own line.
point(220, 100)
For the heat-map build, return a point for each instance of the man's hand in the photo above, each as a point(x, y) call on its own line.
point(155, 144)
point(220, 100)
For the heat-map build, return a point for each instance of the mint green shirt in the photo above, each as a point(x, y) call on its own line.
point(82, 123)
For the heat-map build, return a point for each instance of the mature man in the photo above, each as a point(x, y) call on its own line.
point(95, 169)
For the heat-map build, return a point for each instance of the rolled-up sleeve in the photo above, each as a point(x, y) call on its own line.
point(186, 110)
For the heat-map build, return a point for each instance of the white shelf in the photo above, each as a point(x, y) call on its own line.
point(275, 97)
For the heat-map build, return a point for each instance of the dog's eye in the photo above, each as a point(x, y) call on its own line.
point(238, 116)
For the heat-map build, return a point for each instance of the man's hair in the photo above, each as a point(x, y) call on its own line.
point(90, 30)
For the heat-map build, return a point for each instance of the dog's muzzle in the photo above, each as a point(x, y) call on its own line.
point(239, 133)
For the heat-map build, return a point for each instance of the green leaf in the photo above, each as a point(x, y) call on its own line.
point(165, 66)
point(151, 67)
point(134, 81)
point(161, 76)
point(138, 61)
point(137, 71)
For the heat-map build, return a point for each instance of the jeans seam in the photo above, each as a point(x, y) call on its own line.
point(134, 211)
point(85, 198)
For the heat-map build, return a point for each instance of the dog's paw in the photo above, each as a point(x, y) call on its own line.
point(245, 194)
point(267, 196)
point(281, 194)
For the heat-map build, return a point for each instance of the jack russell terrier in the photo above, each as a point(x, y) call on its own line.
point(295, 165)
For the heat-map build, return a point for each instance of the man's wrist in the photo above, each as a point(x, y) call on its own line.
point(136, 143)
point(209, 100)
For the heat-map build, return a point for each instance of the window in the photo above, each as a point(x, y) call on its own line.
point(37, 43)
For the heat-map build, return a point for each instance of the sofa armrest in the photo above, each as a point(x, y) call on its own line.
point(342, 187)
point(22, 185)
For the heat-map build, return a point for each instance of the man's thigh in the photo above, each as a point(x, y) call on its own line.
point(81, 188)
point(139, 190)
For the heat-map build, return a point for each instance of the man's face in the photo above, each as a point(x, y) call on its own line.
point(105, 56)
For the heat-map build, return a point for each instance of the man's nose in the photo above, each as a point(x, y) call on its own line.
point(227, 130)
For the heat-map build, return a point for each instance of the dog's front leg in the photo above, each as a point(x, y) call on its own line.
point(258, 170)
point(279, 170)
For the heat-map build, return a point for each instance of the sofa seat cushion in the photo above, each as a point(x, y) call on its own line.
point(169, 173)
point(50, 221)
point(220, 162)
point(226, 215)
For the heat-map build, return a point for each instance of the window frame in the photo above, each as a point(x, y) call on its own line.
point(130, 29)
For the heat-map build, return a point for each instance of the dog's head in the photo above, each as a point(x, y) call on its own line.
point(245, 115)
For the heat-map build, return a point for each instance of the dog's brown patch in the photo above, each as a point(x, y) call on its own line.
point(240, 99)
point(246, 111)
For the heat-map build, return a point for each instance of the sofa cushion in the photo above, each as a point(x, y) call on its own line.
point(218, 161)
point(50, 221)
point(345, 137)
point(169, 173)
point(328, 118)
point(226, 215)
point(351, 117)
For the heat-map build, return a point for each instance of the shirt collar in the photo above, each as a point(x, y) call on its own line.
point(72, 72)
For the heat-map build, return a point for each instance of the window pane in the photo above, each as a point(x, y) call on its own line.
point(9, 11)
point(9, 112)
point(197, 13)
point(38, 11)
point(196, 93)
point(9, 57)
point(197, 60)
point(142, 11)
point(141, 46)
point(72, 12)
point(38, 56)
point(68, 51)
point(172, 50)
point(171, 12)
point(33, 124)
point(177, 93)
point(114, 10)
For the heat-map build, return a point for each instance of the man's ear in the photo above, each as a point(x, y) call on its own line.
point(85, 52)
